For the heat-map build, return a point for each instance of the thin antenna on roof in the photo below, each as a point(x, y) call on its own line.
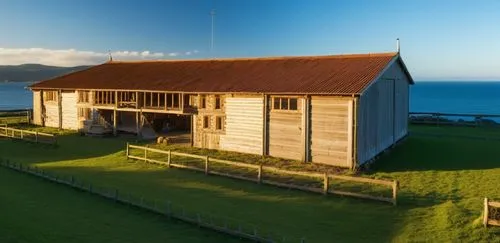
point(397, 45)
point(110, 56)
point(212, 15)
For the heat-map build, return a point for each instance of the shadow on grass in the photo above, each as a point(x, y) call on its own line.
point(292, 213)
point(422, 153)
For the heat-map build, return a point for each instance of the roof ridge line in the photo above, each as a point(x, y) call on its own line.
point(354, 55)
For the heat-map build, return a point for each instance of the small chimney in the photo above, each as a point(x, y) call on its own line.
point(397, 45)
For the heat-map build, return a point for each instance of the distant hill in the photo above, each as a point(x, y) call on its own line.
point(34, 72)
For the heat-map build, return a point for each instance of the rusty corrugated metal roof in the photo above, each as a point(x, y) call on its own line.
point(337, 74)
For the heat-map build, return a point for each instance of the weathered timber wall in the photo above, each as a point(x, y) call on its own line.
point(69, 110)
point(37, 107)
point(331, 130)
point(285, 132)
point(244, 124)
point(208, 137)
point(51, 112)
point(383, 113)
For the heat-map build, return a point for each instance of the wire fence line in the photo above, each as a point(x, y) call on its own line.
point(228, 226)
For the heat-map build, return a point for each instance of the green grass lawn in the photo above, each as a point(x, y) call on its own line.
point(443, 182)
point(34, 210)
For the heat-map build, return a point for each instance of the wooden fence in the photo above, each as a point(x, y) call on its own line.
point(436, 118)
point(491, 214)
point(231, 227)
point(26, 135)
point(16, 116)
point(262, 170)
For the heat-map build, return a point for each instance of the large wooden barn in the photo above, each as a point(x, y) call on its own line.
point(340, 110)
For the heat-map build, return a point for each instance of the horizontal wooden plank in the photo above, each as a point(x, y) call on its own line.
point(494, 204)
point(135, 157)
point(240, 164)
point(359, 195)
point(284, 185)
point(289, 172)
point(186, 167)
point(362, 179)
point(493, 222)
point(189, 155)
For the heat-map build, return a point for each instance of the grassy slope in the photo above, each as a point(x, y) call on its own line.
point(33, 210)
point(443, 183)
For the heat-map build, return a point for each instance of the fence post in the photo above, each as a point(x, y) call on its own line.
point(259, 175)
point(128, 152)
point(325, 183)
point(36, 137)
point(395, 186)
point(22, 134)
point(486, 212)
point(206, 165)
point(169, 158)
point(72, 180)
point(146, 154)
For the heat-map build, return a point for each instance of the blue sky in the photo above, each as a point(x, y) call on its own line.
point(440, 40)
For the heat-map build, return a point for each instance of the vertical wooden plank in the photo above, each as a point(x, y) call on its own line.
point(166, 107)
point(350, 123)
point(325, 183)
point(264, 126)
point(128, 150)
point(259, 175)
point(59, 106)
point(137, 123)
point(206, 165)
point(355, 132)
point(146, 154)
point(115, 122)
point(305, 128)
point(169, 158)
point(181, 101)
point(485, 212)
point(395, 187)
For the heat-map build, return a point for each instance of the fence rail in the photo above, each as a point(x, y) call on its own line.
point(261, 170)
point(22, 116)
point(437, 118)
point(226, 226)
point(26, 135)
point(491, 214)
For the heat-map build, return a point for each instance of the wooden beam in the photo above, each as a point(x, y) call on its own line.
point(305, 127)
point(355, 133)
point(137, 123)
point(59, 106)
point(264, 125)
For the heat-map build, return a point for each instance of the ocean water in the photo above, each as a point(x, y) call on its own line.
point(15, 96)
point(472, 97)
point(445, 97)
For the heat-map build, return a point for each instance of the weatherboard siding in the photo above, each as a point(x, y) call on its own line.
point(69, 110)
point(330, 130)
point(382, 113)
point(37, 108)
point(243, 125)
point(285, 132)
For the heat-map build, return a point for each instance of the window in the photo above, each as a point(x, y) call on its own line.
point(217, 102)
point(203, 102)
point(219, 123)
point(83, 96)
point(50, 95)
point(285, 103)
point(206, 122)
